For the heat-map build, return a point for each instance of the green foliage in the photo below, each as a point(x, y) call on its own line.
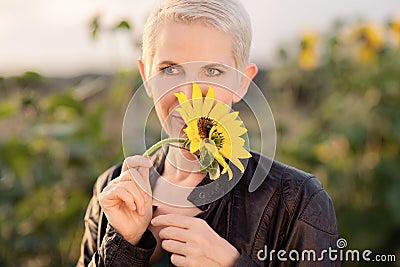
point(340, 120)
point(29, 78)
point(50, 157)
point(123, 24)
point(96, 26)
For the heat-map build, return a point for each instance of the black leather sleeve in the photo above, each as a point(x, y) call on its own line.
point(244, 260)
point(92, 218)
point(116, 251)
point(312, 232)
point(101, 244)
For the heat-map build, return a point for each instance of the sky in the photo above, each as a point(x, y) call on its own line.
point(52, 37)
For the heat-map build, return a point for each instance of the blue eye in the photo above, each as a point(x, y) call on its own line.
point(213, 72)
point(169, 70)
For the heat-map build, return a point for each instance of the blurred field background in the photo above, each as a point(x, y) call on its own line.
point(335, 96)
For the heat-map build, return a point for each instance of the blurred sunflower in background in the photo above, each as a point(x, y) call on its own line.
point(394, 28)
point(369, 41)
point(308, 58)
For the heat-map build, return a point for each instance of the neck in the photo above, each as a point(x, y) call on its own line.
point(182, 168)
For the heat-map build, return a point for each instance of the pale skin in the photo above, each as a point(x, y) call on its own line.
point(128, 205)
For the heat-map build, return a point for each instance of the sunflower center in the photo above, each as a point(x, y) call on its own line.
point(207, 129)
point(205, 124)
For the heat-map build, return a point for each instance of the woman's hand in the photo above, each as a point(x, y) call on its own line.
point(193, 242)
point(126, 201)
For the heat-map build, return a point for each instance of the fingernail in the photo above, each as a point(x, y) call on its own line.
point(133, 207)
point(152, 221)
point(143, 211)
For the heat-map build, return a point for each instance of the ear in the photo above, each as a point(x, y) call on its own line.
point(249, 73)
point(142, 70)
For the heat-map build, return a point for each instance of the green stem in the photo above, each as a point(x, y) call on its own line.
point(157, 145)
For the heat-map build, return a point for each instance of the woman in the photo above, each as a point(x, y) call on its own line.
point(125, 226)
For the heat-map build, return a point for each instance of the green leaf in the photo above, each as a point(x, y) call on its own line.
point(95, 26)
point(123, 24)
point(206, 158)
point(6, 109)
point(65, 100)
point(214, 170)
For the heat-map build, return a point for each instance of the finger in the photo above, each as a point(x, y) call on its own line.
point(131, 185)
point(137, 194)
point(124, 176)
point(141, 179)
point(107, 199)
point(132, 175)
point(183, 261)
point(176, 220)
point(136, 161)
point(174, 246)
point(178, 260)
point(175, 233)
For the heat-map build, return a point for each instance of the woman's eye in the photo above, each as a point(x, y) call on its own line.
point(170, 70)
point(213, 72)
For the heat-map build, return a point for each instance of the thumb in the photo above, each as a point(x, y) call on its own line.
point(136, 161)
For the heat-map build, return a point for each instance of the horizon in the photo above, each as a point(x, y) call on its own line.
point(52, 37)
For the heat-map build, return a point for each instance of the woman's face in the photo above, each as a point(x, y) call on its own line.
point(186, 54)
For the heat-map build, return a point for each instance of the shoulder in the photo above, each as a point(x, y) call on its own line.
point(301, 193)
point(307, 200)
point(293, 184)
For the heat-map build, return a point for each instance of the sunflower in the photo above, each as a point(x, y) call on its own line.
point(212, 132)
point(307, 58)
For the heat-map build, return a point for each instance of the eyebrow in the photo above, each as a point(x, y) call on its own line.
point(167, 62)
point(172, 63)
point(213, 65)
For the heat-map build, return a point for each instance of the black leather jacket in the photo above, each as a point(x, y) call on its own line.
point(289, 211)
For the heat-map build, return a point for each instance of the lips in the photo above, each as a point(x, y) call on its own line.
point(178, 118)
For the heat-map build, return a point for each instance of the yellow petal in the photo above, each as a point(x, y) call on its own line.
point(226, 152)
point(208, 102)
point(238, 164)
point(230, 174)
point(197, 99)
point(237, 142)
point(191, 130)
point(197, 106)
point(241, 153)
point(183, 113)
point(238, 131)
point(235, 124)
point(222, 162)
point(196, 91)
point(185, 105)
point(194, 145)
point(228, 118)
point(181, 97)
point(219, 111)
point(210, 92)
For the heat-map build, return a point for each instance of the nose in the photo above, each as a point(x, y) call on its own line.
point(187, 89)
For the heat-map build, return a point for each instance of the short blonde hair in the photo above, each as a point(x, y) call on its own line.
point(228, 16)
